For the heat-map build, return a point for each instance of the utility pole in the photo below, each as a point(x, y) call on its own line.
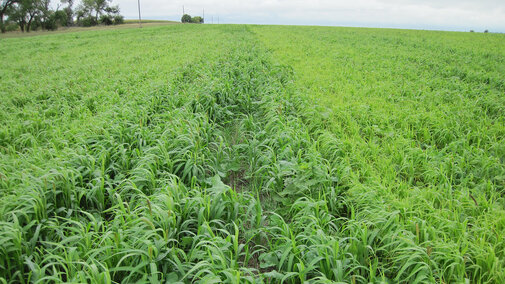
point(140, 18)
point(212, 19)
point(183, 10)
point(203, 16)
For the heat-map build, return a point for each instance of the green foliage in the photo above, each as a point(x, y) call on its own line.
point(197, 20)
point(24, 11)
point(252, 154)
point(5, 8)
point(60, 17)
point(55, 20)
point(32, 14)
point(50, 22)
point(70, 16)
point(186, 18)
point(106, 20)
point(94, 12)
point(11, 26)
point(88, 21)
point(418, 140)
point(113, 16)
point(118, 20)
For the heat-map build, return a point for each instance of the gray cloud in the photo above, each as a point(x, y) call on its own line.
point(426, 14)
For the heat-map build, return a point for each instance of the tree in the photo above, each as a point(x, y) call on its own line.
point(24, 13)
point(69, 11)
point(80, 13)
point(197, 20)
point(111, 16)
point(4, 6)
point(90, 12)
point(96, 6)
point(186, 18)
point(32, 10)
point(28, 14)
point(60, 18)
point(17, 15)
point(69, 2)
point(45, 15)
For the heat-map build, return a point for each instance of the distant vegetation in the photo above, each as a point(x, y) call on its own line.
point(136, 21)
point(195, 20)
point(27, 15)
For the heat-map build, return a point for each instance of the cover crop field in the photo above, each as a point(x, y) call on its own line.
point(252, 154)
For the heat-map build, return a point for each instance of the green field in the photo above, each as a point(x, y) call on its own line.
point(252, 154)
point(130, 21)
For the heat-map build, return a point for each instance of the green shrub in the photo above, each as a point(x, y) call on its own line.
point(106, 20)
point(11, 26)
point(88, 21)
point(50, 24)
point(118, 20)
point(197, 20)
point(60, 18)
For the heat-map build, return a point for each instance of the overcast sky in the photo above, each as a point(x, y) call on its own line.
point(456, 15)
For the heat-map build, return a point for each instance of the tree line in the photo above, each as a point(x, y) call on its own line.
point(27, 15)
point(188, 19)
